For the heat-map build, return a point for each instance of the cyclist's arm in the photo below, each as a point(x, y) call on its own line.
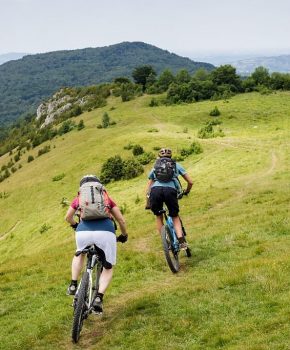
point(69, 217)
point(115, 211)
point(189, 182)
point(149, 184)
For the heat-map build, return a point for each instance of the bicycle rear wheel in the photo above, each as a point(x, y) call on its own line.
point(170, 255)
point(80, 311)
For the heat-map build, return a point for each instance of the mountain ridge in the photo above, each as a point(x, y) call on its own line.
point(26, 82)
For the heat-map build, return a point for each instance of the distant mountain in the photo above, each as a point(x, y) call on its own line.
point(273, 64)
point(26, 82)
point(11, 56)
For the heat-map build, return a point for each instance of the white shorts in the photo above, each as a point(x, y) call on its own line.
point(105, 240)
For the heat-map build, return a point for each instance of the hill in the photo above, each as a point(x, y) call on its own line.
point(25, 83)
point(11, 56)
point(273, 64)
point(234, 291)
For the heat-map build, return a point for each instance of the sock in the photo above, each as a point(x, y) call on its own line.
point(181, 239)
point(100, 295)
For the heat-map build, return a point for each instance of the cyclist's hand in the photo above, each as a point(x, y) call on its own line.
point(74, 226)
point(122, 238)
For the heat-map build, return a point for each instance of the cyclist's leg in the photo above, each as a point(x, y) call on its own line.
point(105, 279)
point(171, 202)
point(77, 265)
point(156, 204)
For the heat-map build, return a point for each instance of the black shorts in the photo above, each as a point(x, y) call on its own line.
point(164, 195)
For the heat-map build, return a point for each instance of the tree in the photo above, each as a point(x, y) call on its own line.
point(226, 75)
point(165, 79)
point(261, 76)
point(105, 120)
point(122, 80)
point(141, 73)
point(183, 76)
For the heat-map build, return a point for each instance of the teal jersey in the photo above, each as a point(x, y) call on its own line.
point(174, 183)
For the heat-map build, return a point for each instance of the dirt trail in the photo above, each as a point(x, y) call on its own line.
point(5, 234)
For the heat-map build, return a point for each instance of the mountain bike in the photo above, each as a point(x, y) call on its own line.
point(170, 242)
point(87, 289)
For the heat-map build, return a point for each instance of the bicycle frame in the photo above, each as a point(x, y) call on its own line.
point(173, 236)
point(92, 261)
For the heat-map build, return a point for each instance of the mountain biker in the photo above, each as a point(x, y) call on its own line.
point(161, 192)
point(100, 232)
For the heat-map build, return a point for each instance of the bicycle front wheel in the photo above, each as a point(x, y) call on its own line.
point(170, 255)
point(80, 311)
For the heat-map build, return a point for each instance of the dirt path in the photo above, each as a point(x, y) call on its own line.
point(5, 234)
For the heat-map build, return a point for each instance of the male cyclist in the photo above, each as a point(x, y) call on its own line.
point(164, 186)
point(100, 232)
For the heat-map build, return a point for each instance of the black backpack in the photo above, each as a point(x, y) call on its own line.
point(164, 169)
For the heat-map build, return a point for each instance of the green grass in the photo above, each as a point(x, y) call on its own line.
point(234, 291)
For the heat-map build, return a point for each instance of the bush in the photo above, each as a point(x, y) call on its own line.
point(194, 148)
point(81, 125)
point(129, 146)
point(215, 112)
point(43, 150)
point(17, 157)
point(105, 120)
point(131, 168)
point(112, 169)
point(115, 169)
point(30, 159)
point(145, 158)
point(137, 150)
point(153, 102)
point(58, 177)
point(208, 131)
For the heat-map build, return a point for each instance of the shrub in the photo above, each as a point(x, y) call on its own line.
point(129, 146)
point(115, 169)
point(30, 159)
point(131, 168)
point(44, 228)
point(66, 127)
point(81, 125)
point(17, 157)
point(43, 150)
point(105, 120)
point(196, 148)
point(58, 177)
point(145, 158)
point(137, 150)
point(153, 102)
point(208, 131)
point(112, 169)
point(215, 112)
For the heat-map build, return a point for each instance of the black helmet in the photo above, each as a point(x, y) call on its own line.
point(165, 152)
point(89, 178)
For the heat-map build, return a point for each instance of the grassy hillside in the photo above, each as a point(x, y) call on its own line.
point(25, 83)
point(234, 291)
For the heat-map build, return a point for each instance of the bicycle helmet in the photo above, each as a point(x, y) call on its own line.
point(89, 178)
point(165, 152)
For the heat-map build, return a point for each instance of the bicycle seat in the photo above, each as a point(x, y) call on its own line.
point(92, 249)
point(162, 211)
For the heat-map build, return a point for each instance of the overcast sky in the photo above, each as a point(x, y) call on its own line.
point(186, 27)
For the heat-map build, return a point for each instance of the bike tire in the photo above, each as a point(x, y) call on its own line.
point(171, 257)
point(80, 308)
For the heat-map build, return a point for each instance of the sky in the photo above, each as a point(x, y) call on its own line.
point(192, 28)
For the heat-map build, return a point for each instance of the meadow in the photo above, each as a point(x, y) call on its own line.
point(233, 293)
